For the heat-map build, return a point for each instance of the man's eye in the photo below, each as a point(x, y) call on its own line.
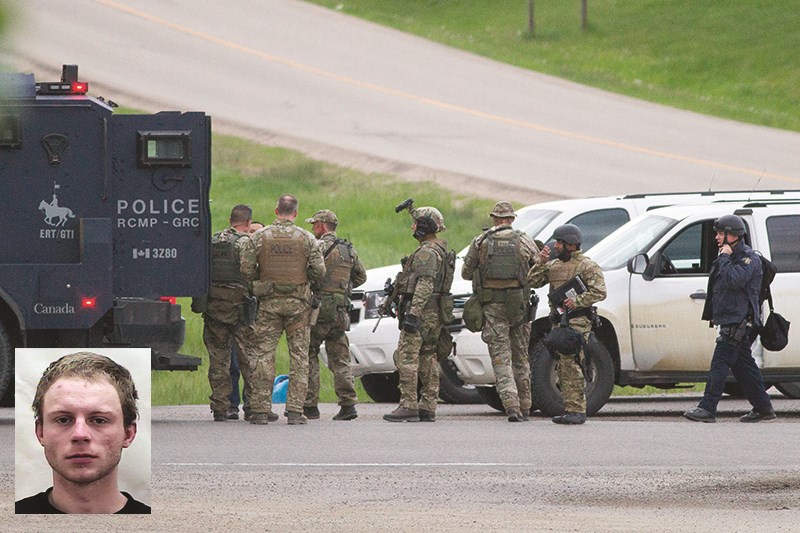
point(63, 420)
point(100, 421)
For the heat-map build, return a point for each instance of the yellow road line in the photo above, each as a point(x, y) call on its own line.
point(438, 103)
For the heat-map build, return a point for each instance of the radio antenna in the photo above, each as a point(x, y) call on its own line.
point(756, 185)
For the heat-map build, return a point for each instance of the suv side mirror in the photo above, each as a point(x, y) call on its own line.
point(638, 265)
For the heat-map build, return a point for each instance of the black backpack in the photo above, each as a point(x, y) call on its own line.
point(775, 331)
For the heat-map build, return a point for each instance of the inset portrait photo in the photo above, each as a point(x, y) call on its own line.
point(82, 431)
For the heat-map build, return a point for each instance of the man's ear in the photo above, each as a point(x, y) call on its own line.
point(130, 434)
point(39, 431)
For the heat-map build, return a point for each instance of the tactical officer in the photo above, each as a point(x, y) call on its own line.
point(343, 272)
point(225, 311)
point(284, 260)
point(569, 263)
point(424, 287)
point(498, 262)
point(732, 305)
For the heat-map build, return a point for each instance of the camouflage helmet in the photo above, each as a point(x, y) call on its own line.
point(324, 215)
point(503, 209)
point(432, 212)
point(569, 233)
point(730, 224)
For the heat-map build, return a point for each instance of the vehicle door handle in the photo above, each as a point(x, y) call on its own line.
point(698, 295)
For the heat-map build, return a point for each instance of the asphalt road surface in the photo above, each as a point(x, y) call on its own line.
point(636, 466)
point(344, 90)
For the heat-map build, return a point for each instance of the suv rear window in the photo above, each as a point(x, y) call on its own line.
point(784, 242)
point(597, 225)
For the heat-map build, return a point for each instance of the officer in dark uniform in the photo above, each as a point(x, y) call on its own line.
point(732, 305)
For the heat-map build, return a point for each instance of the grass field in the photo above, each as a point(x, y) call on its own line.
point(731, 58)
point(245, 172)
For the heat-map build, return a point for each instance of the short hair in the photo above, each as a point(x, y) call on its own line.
point(90, 366)
point(331, 226)
point(287, 204)
point(240, 214)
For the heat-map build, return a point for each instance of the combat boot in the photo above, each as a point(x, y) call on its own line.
point(698, 414)
point(260, 419)
point(295, 419)
point(402, 414)
point(514, 414)
point(233, 413)
point(758, 416)
point(346, 412)
point(219, 416)
point(272, 417)
point(312, 413)
point(570, 419)
point(427, 416)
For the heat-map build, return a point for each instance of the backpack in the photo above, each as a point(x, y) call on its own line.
point(775, 331)
point(769, 270)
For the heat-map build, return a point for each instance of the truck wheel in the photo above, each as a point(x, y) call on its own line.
point(453, 390)
point(382, 388)
point(491, 398)
point(789, 389)
point(544, 382)
point(6, 369)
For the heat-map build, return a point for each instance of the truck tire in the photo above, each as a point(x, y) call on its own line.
point(491, 397)
point(544, 383)
point(790, 389)
point(382, 388)
point(6, 369)
point(453, 390)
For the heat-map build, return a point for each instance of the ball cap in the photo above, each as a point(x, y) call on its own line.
point(503, 209)
point(323, 215)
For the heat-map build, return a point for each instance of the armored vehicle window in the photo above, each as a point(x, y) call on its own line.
point(596, 225)
point(10, 136)
point(170, 148)
point(784, 242)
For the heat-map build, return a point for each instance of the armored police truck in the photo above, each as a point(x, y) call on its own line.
point(105, 221)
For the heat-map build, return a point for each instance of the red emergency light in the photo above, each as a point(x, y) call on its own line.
point(88, 303)
point(79, 87)
point(170, 299)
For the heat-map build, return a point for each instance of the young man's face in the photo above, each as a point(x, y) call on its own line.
point(82, 429)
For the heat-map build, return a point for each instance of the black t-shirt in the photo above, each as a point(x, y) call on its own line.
point(40, 504)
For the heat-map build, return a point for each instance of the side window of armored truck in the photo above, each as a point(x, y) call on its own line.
point(784, 242)
point(690, 252)
point(597, 225)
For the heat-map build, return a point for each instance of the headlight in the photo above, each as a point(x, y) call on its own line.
point(372, 300)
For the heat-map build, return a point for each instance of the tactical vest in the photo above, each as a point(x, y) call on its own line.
point(563, 271)
point(225, 265)
point(499, 262)
point(282, 258)
point(339, 263)
point(407, 281)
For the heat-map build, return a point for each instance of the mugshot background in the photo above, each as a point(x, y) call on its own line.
point(32, 473)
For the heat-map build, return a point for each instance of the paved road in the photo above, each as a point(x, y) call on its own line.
point(289, 73)
point(636, 466)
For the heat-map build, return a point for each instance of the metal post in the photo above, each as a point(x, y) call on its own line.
point(531, 26)
point(584, 14)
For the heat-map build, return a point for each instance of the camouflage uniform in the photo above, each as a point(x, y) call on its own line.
point(502, 257)
point(421, 286)
point(557, 272)
point(283, 259)
point(222, 320)
point(343, 272)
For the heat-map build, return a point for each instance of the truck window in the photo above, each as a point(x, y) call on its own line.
point(784, 242)
point(597, 225)
point(690, 252)
point(169, 148)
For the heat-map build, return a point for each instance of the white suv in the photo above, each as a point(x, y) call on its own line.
point(372, 345)
point(656, 270)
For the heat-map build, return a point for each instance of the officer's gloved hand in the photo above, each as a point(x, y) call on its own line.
point(199, 304)
point(411, 323)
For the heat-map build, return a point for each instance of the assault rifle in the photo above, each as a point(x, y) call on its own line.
point(388, 307)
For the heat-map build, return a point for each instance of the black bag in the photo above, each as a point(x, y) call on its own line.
point(775, 332)
point(562, 339)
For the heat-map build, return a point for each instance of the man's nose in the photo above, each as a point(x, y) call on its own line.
point(80, 430)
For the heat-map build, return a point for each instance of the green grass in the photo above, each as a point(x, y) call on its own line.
point(731, 58)
point(245, 172)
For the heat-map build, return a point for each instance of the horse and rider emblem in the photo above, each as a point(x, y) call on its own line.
point(54, 214)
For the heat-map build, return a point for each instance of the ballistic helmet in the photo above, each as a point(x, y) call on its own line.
point(730, 224)
point(433, 213)
point(568, 233)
